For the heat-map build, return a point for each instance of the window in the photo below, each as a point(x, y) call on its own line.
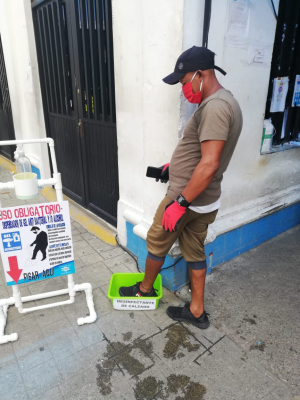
point(285, 64)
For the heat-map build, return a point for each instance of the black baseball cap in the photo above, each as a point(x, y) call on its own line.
point(191, 60)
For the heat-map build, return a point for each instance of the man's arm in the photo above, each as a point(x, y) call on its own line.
point(203, 174)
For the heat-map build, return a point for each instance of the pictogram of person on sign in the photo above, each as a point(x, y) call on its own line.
point(41, 243)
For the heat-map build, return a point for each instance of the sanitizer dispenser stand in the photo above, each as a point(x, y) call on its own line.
point(26, 186)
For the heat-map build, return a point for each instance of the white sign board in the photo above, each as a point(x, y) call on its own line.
point(124, 304)
point(296, 95)
point(36, 242)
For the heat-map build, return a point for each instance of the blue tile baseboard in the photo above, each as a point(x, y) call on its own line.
point(223, 248)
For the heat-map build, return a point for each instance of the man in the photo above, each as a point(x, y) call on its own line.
point(41, 243)
point(195, 174)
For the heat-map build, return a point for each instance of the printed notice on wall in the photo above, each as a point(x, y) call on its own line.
point(280, 89)
point(238, 23)
point(124, 304)
point(296, 95)
point(36, 242)
point(257, 55)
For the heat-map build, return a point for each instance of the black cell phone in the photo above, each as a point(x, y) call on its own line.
point(153, 172)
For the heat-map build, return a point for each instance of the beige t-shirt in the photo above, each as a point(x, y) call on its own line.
point(218, 117)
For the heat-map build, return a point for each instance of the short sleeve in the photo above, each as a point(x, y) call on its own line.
point(215, 121)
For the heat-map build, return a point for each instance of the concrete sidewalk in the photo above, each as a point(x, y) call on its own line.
point(144, 355)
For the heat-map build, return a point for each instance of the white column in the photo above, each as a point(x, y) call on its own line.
point(16, 28)
point(148, 38)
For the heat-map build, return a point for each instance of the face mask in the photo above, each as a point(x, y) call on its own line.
point(188, 92)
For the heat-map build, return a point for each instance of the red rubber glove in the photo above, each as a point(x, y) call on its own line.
point(165, 166)
point(164, 176)
point(172, 216)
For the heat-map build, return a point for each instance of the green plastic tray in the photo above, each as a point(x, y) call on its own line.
point(132, 303)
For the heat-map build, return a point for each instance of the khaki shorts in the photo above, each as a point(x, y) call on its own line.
point(191, 233)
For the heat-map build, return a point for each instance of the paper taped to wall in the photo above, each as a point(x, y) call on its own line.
point(257, 54)
point(238, 23)
point(280, 89)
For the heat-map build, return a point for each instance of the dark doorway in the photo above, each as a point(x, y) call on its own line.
point(75, 55)
point(7, 131)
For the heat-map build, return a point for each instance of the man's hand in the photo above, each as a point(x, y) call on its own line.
point(172, 216)
point(164, 176)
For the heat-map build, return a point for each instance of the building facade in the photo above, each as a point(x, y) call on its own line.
point(260, 192)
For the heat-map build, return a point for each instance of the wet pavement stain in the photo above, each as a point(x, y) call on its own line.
point(250, 320)
point(259, 346)
point(132, 365)
point(147, 346)
point(127, 336)
point(120, 357)
point(192, 390)
point(123, 357)
point(180, 385)
point(176, 382)
point(178, 337)
point(116, 347)
point(105, 370)
point(147, 388)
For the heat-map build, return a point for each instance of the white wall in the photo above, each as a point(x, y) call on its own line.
point(253, 183)
point(148, 38)
point(17, 35)
point(192, 36)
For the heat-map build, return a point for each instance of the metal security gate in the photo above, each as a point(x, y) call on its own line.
point(75, 54)
point(7, 131)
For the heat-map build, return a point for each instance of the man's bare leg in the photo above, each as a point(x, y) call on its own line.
point(197, 278)
point(151, 271)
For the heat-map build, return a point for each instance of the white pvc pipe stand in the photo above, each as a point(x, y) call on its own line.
point(16, 299)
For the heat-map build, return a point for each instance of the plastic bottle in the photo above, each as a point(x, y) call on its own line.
point(23, 164)
point(267, 138)
point(25, 182)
